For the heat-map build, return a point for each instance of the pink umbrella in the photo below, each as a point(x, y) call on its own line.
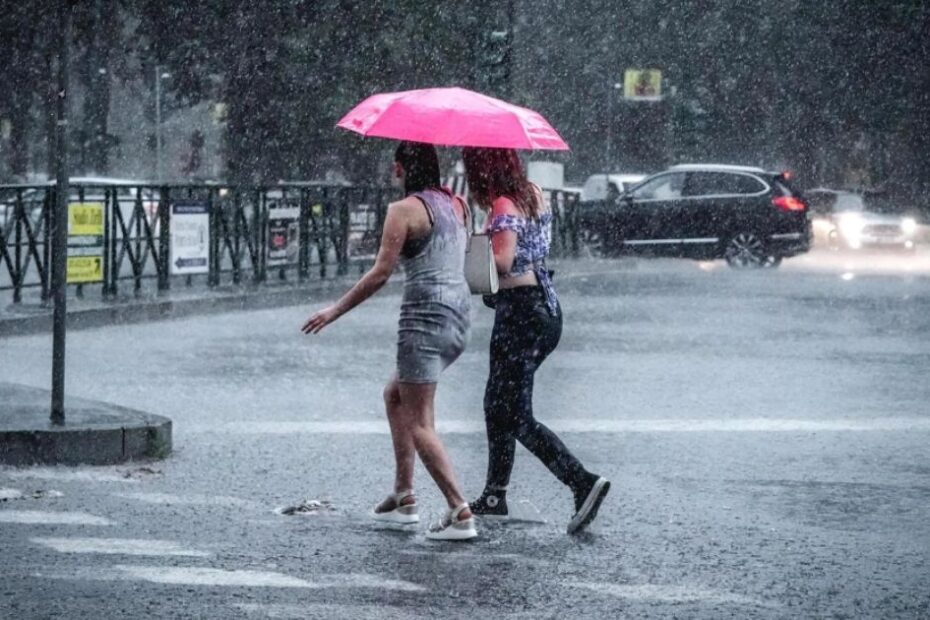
point(452, 117)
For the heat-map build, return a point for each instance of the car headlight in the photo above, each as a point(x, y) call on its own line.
point(851, 225)
point(908, 226)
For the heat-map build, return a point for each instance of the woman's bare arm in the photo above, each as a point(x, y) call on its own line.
point(396, 229)
point(504, 242)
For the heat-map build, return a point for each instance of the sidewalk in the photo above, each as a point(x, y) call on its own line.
point(94, 433)
point(30, 316)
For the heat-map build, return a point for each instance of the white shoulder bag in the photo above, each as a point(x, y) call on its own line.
point(480, 268)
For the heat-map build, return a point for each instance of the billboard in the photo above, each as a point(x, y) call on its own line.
point(642, 85)
point(85, 242)
point(190, 237)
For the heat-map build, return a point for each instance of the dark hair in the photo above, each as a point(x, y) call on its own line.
point(493, 173)
point(421, 166)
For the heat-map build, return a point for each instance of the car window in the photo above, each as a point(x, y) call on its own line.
point(722, 183)
point(820, 202)
point(663, 187)
point(849, 202)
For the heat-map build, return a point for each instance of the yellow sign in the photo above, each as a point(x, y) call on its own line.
point(85, 219)
point(644, 84)
point(85, 269)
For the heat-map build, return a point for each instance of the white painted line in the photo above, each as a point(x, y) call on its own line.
point(118, 546)
point(360, 580)
point(670, 594)
point(68, 475)
point(6, 494)
point(204, 576)
point(598, 425)
point(225, 501)
point(196, 576)
point(51, 518)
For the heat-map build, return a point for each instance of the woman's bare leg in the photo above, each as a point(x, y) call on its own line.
point(404, 450)
point(417, 399)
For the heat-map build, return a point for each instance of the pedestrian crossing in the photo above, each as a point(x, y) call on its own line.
point(203, 570)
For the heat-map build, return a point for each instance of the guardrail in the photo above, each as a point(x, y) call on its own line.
point(123, 235)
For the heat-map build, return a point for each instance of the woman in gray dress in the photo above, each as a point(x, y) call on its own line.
point(426, 233)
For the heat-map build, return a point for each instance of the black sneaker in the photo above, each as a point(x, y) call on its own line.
point(588, 498)
point(490, 505)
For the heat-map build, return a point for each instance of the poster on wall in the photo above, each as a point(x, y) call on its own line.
point(283, 236)
point(85, 242)
point(190, 237)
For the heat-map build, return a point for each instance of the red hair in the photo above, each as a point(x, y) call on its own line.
point(493, 173)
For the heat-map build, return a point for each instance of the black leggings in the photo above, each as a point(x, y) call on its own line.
point(525, 333)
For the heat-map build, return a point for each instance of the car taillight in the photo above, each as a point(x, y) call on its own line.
point(789, 203)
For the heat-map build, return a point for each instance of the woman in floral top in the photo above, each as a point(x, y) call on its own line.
point(527, 328)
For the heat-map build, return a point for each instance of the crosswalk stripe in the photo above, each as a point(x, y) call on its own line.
point(6, 494)
point(586, 425)
point(37, 517)
point(118, 546)
point(199, 576)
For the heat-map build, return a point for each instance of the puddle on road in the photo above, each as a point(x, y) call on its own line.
point(307, 507)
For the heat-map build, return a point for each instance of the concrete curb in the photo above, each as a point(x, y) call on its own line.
point(95, 433)
point(153, 309)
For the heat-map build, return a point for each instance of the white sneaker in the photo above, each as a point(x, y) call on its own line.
point(450, 527)
point(402, 514)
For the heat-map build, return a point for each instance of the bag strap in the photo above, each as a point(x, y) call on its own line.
point(466, 214)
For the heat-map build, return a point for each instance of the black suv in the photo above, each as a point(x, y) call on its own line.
point(750, 217)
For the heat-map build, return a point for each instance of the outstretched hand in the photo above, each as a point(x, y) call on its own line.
point(319, 320)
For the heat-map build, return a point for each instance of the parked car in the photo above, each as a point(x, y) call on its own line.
point(850, 220)
point(748, 216)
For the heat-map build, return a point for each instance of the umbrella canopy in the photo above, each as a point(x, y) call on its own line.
point(452, 117)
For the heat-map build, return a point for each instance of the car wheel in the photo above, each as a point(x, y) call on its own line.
point(771, 262)
point(745, 250)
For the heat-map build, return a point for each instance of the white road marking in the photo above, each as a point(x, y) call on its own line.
point(589, 425)
point(6, 494)
point(51, 518)
point(197, 576)
point(68, 475)
point(356, 611)
point(670, 594)
point(190, 500)
point(118, 546)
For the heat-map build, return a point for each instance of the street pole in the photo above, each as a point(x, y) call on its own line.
point(158, 123)
point(59, 219)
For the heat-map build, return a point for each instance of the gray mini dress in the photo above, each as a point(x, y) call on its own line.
point(435, 315)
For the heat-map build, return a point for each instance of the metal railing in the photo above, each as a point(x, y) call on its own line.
point(285, 231)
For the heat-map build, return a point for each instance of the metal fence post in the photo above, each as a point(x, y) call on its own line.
point(213, 271)
point(163, 262)
point(108, 256)
point(18, 250)
point(342, 247)
point(303, 248)
point(259, 223)
point(47, 206)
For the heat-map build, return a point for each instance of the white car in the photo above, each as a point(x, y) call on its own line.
point(843, 219)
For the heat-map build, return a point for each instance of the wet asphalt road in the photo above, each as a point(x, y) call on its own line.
point(766, 435)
